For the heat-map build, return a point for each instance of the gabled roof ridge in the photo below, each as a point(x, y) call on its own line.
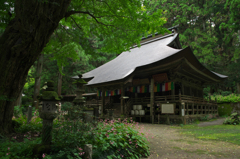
point(153, 40)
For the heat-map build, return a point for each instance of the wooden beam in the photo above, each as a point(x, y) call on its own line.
point(122, 100)
point(103, 101)
point(183, 89)
point(152, 100)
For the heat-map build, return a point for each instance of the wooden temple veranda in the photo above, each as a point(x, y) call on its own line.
point(160, 78)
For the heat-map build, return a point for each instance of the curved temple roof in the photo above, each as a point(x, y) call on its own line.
point(151, 51)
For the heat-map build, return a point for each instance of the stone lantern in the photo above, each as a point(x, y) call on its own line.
point(49, 111)
point(79, 100)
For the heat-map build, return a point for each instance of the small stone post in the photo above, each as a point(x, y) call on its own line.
point(88, 151)
point(48, 112)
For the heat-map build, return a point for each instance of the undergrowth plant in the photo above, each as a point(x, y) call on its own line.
point(34, 126)
point(110, 139)
point(17, 150)
point(116, 139)
point(233, 119)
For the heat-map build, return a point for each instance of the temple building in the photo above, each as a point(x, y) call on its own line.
point(157, 82)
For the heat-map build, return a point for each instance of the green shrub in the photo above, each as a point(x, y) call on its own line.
point(232, 98)
point(66, 106)
point(17, 150)
point(234, 119)
point(109, 139)
point(118, 139)
point(205, 118)
point(34, 126)
point(225, 109)
point(226, 93)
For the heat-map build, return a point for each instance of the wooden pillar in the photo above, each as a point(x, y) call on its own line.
point(208, 108)
point(184, 117)
point(190, 90)
point(197, 109)
point(103, 101)
point(173, 93)
point(183, 89)
point(201, 109)
point(152, 100)
point(122, 100)
point(180, 98)
point(193, 108)
point(187, 109)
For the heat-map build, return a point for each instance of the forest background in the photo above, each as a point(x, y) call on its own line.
point(210, 28)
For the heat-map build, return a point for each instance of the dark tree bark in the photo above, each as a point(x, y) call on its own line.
point(21, 44)
point(59, 84)
point(59, 87)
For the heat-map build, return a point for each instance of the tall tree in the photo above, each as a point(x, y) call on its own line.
point(209, 28)
point(119, 23)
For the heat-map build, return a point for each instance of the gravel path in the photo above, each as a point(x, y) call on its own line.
point(166, 142)
point(215, 122)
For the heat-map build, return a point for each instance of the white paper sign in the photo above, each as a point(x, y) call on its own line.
point(183, 112)
point(167, 108)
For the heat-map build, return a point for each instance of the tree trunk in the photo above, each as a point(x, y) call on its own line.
point(238, 88)
point(59, 87)
point(20, 45)
point(19, 100)
point(36, 87)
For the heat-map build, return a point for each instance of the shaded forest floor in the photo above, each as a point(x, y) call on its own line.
point(168, 142)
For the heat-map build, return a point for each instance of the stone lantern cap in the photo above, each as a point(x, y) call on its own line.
point(49, 94)
point(79, 80)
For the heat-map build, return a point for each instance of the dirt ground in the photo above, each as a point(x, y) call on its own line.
point(167, 143)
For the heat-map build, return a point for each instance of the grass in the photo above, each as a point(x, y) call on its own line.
point(227, 133)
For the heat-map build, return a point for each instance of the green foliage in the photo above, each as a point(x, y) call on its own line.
point(206, 91)
point(226, 93)
point(119, 138)
point(225, 109)
point(232, 98)
point(205, 118)
point(66, 106)
point(17, 150)
point(226, 133)
point(109, 139)
point(234, 119)
point(34, 126)
point(210, 28)
point(18, 111)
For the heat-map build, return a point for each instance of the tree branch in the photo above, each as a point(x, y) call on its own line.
point(85, 12)
point(76, 23)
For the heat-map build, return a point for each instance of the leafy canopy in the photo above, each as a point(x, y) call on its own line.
point(118, 24)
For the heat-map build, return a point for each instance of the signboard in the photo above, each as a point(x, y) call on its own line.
point(140, 81)
point(160, 77)
point(167, 108)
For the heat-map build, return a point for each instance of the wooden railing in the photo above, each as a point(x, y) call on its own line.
point(128, 107)
point(93, 103)
point(141, 100)
point(173, 98)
